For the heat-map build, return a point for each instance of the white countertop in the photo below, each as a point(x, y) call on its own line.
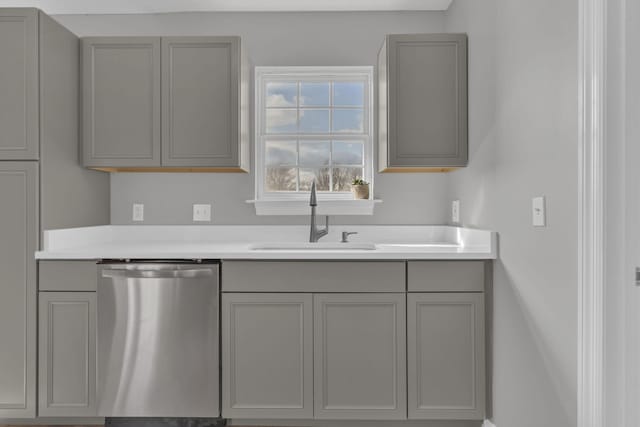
point(236, 242)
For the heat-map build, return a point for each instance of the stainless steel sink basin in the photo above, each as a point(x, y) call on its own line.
point(306, 246)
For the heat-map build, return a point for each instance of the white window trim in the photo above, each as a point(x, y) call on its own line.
point(268, 203)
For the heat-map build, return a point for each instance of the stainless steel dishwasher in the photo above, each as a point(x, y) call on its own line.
point(158, 340)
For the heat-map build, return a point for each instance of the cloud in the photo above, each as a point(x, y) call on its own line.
point(281, 120)
point(280, 100)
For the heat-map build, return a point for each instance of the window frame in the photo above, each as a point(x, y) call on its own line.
point(312, 74)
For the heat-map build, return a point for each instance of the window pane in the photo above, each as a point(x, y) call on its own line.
point(348, 153)
point(314, 94)
point(348, 94)
point(281, 121)
point(314, 153)
point(280, 179)
point(320, 175)
point(342, 178)
point(314, 121)
point(281, 94)
point(281, 153)
point(348, 121)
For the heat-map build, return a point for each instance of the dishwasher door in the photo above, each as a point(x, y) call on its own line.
point(158, 340)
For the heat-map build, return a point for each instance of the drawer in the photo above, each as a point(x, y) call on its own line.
point(313, 276)
point(446, 276)
point(67, 275)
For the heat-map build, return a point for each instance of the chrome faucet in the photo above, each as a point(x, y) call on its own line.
point(316, 233)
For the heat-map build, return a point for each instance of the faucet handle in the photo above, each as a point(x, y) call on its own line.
point(346, 234)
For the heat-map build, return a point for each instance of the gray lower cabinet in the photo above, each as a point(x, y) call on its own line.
point(360, 356)
point(67, 354)
point(18, 242)
point(121, 101)
point(70, 276)
point(422, 102)
point(267, 355)
point(446, 356)
point(19, 113)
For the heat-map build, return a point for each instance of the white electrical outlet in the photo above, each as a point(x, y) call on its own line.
point(539, 212)
point(455, 211)
point(138, 212)
point(202, 212)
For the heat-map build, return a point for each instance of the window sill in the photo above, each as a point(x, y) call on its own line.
point(325, 207)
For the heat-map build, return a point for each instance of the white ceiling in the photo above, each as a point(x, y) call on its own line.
point(163, 6)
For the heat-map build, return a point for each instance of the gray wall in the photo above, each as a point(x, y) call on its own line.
point(615, 376)
point(523, 143)
point(631, 342)
point(271, 39)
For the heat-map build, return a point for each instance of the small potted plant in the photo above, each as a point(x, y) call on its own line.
point(360, 189)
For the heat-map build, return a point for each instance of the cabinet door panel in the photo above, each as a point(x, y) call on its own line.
point(359, 363)
point(67, 354)
point(18, 242)
point(200, 101)
point(267, 356)
point(426, 101)
point(446, 356)
point(121, 101)
point(19, 138)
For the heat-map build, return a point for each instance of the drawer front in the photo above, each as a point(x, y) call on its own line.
point(313, 276)
point(68, 275)
point(446, 276)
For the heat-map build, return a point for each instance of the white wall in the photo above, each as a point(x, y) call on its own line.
point(523, 143)
point(351, 38)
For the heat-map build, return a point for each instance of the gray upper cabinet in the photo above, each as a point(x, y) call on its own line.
point(67, 354)
point(446, 362)
point(19, 139)
point(18, 242)
point(201, 95)
point(197, 87)
point(121, 101)
point(267, 355)
point(422, 102)
point(360, 356)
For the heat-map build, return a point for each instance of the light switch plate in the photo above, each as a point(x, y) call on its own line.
point(455, 211)
point(138, 212)
point(539, 211)
point(202, 213)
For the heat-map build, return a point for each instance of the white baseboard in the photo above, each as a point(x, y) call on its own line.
point(488, 423)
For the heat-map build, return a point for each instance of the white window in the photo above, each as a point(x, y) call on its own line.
point(312, 123)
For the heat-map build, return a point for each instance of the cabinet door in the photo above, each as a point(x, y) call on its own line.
point(359, 356)
point(67, 354)
point(267, 342)
point(19, 138)
point(200, 101)
point(426, 101)
point(446, 356)
point(18, 242)
point(121, 101)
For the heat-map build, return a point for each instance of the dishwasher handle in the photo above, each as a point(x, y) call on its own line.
point(158, 274)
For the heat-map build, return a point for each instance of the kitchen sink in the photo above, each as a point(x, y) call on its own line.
point(419, 245)
point(319, 246)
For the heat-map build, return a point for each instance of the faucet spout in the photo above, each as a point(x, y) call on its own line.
point(313, 200)
point(315, 233)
